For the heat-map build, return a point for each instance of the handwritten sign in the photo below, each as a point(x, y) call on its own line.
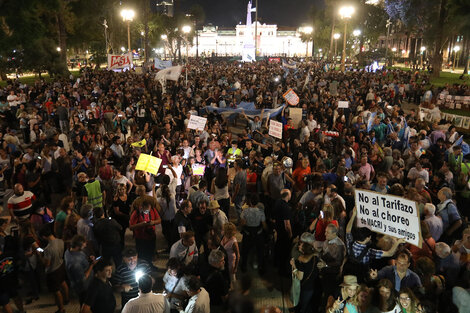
point(343, 104)
point(275, 129)
point(119, 61)
point(148, 163)
point(291, 97)
point(197, 122)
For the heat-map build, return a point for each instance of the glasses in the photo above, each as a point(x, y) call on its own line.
point(405, 299)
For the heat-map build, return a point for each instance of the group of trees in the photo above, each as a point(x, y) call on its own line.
point(37, 35)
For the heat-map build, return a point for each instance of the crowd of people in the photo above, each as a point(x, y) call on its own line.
point(68, 155)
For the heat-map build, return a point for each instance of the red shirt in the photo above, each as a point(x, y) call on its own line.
point(321, 228)
point(147, 232)
point(251, 178)
point(298, 176)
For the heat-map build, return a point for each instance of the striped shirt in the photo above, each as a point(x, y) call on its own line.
point(357, 249)
point(124, 276)
point(21, 205)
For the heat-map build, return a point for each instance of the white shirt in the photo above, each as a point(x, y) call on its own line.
point(199, 303)
point(311, 124)
point(147, 303)
point(183, 253)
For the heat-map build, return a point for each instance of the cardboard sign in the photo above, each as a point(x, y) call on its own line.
point(198, 169)
point(343, 104)
point(148, 163)
point(275, 129)
point(389, 215)
point(197, 122)
point(291, 97)
point(296, 115)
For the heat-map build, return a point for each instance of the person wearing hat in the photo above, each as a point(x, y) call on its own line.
point(219, 218)
point(124, 279)
point(345, 300)
point(305, 271)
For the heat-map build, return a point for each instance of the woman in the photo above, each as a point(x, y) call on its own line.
point(174, 282)
point(167, 203)
point(384, 298)
point(304, 270)
point(320, 223)
point(346, 301)
point(408, 301)
point(220, 190)
point(121, 209)
point(120, 179)
point(230, 244)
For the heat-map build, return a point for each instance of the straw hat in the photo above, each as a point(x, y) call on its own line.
point(349, 280)
point(308, 238)
point(214, 204)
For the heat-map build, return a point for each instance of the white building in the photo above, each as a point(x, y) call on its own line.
point(272, 41)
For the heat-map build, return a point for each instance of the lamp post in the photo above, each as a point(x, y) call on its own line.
point(393, 55)
point(456, 49)
point(164, 37)
point(346, 13)
point(422, 49)
point(128, 16)
point(307, 30)
point(336, 37)
point(186, 30)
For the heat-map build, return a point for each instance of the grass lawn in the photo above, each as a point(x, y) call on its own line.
point(31, 79)
point(448, 78)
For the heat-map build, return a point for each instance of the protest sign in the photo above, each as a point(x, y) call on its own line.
point(197, 122)
point(389, 215)
point(291, 97)
point(343, 104)
point(198, 169)
point(119, 61)
point(148, 163)
point(275, 129)
point(296, 115)
point(139, 144)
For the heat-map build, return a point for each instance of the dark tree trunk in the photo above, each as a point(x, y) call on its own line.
point(440, 40)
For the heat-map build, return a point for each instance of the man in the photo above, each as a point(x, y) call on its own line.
point(94, 192)
point(201, 221)
point(20, 204)
point(185, 249)
point(52, 259)
point(332, 257)
point(142, 222)
point(275, 183)
point(80, 163)
point(200, 195)
point(124, 279)
point(107, 233)
point(199, 301)
point(400, 274)
point(147, 301)
point(234, 153)
point(182, 223)
point(434, 222)
point(381, 185)
point(219, 218)
point(366, 170)
point(455, 159)
point(79, 270)
point(239, 186)
point(100, 296)
point(448, 212)
point(116, 147)
point(216, 283)
point(447, 264)
point(282, 223)
point(418, 172)
point(331, 194)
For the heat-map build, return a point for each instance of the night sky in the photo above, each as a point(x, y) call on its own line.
point(228, 13)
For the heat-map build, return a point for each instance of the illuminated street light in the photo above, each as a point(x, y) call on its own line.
point(456, 49)
point(128, 16)
point(357, 32)
point(422, 49)
point(123, 49)
point(186, 29)
point(394, 49)
point(307, 30)
point(58, 49)
point(336, 36)
point(346, 13)
point(164, 37)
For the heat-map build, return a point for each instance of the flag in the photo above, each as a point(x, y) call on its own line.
point(139, 144)
point(171, 73)
point(306, 81)
point(253, 10)
point(465, 147)
point(291, 66)
point(370, 121)
point(161, 65)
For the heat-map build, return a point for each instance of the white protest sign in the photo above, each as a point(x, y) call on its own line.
point(343, 104)
point(197, 122)
point(119, 61)
point(275, 129)
point(389, 215)
point(296, 115)
point(291, 97)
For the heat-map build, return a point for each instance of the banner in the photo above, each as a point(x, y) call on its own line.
point(274, 60)
point(197, 122)
point(161, 65)
point(148, 163)
point(198, 169)
point(275, 129)
point(389, 215)
point(343, 104)
point(247, 108)
point(119, 61)
point(291, 97)
point(170, 73)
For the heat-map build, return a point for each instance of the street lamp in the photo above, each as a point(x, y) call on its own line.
point(456, 49)
point(336, 37)
point(422, 49)
point(164, 37)
point(58, 49)
point(128, 16)
point(307, 30)
point(356, 32)
point(346, 13)
point(186, 29)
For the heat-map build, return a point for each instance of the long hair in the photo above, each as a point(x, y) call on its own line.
point(221, 178)
point(166, 193)
point(390, 302)
point(411, 295)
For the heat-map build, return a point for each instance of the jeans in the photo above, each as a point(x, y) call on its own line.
point(305, 301)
